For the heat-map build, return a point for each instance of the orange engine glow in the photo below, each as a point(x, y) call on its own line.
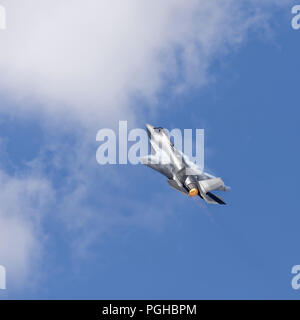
point(193, 192)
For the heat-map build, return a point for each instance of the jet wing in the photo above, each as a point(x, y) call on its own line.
point(153, 163)
point(173, 184)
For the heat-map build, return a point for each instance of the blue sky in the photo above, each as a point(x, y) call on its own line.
point(120, 232)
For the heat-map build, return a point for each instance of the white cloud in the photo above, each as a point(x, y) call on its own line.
point(87, 58)
point(23, 202)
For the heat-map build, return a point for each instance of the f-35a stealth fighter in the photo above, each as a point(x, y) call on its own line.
point(183, 175)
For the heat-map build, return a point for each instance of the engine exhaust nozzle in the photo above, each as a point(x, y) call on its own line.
point(193, 190)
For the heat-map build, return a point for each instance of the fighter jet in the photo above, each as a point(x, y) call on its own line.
point(183, 175)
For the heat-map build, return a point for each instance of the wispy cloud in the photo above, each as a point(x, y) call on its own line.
point(23, 205)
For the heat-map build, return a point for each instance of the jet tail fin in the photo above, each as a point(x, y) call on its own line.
point(212, 198)
point(211, 184)
point(206, 186)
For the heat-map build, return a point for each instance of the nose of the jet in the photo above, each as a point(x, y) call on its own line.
point(149, 129)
